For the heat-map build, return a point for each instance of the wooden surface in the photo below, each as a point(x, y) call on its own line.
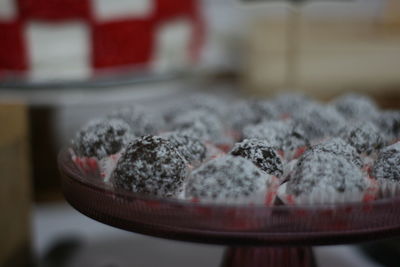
point(15, 189)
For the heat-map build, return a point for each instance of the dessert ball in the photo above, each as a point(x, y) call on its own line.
point(201, 102)
point(261, 154)
point(291, 103)
point(389, 124)
point(190, 147)
point(365, 137)
point(266, 110)
point(273, 132)
point(228, 179)
point(101, 138)
point(339, 147)
point(325, 172)
point(319, 121)
point(387, 166)
point(200, 124)
point(151, 165)
point(242, 114)
point(141, 121)
point(356, 107)
point(282, 135)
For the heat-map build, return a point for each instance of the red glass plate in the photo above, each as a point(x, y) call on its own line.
point(242, 227)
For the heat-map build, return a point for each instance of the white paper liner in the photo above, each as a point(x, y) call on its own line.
point(91, 165)
point(328, 195)
point(388, 188)
point(107, 166)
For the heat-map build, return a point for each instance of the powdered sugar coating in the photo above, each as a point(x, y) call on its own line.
point(261, 154)
point(141, 121)
point(364, 136)
point(322, 171)
point(319, 121)
point(151, 165)
point(339, 147)
point(387, 166)
point(355, 107)
point(190, 147)
point(200, 124)
point(227, 179)
point(100, 138)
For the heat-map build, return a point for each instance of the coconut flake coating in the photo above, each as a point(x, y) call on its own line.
point(319, 121)
point(356, 107)
point(282, 135)
point(227, 179)
point(190, 147)
point(364, 136)
point(200, 124)
point(325, 171)
point(339, 147)
point(100, 138)
point(139, 119)
point(151, 165)
point(387, 166)
point(261, 154)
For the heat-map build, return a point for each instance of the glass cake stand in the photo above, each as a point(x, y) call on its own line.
point(255, 235)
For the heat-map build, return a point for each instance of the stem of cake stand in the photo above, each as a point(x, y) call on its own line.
point(269, 257)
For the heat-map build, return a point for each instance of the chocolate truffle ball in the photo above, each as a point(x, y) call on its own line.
point(365, 137)
point(227, 179)
point(338, 147)
point(242, 114)
point(261, 154)
point(100, 138)
point(200, 124)
point(202, 102)
point(319, 121)
point(265, 109)
point(282, 135)
point(389, 124)
point(190, 147)
point(291, 103)
point(326, 172)
point(141, 121)
point(387, 166)
point(151, 165)
point(355, 107)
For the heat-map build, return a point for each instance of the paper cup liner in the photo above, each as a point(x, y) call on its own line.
point(388, 188)
point(328, 195)
point(94, 167)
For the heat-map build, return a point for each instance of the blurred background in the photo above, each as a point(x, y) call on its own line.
point(65, 61)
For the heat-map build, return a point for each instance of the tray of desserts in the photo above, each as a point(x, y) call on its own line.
point(284, 170)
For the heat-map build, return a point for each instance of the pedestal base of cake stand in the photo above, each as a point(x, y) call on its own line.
point(268, 257)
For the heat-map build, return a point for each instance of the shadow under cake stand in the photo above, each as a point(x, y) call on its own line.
point(255, 235)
